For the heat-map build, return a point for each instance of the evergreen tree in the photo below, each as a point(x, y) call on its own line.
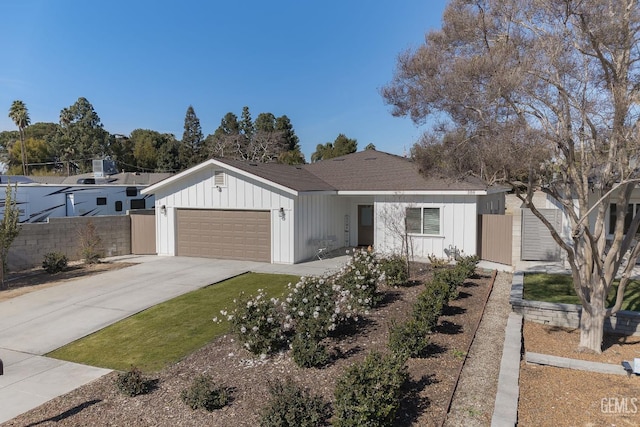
point(80, 137)
point(341, 146)
point(190, 152)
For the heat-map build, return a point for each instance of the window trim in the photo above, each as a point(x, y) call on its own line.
point(101, 201)
point(422, 208)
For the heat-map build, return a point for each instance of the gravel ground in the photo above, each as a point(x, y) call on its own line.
point(474, 398)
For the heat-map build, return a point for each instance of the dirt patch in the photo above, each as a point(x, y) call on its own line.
point(555, 396)
point(427, 394)
point(26, 281)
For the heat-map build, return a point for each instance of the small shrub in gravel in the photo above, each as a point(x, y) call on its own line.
point(291, 405)
point(467, 264)
point(395, 270)
point(429, 303)
point(409, 338)
point(368, 393)
point(133, 382)
point(308, 351)
point(257, 322)
point(204, 394)
point(55, 262)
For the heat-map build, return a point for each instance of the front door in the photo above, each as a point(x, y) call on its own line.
point(365, 225)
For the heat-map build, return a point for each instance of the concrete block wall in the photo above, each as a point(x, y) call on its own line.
point(62, 235)
point(566, 315)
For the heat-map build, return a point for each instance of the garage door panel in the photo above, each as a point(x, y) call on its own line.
point(244, 235)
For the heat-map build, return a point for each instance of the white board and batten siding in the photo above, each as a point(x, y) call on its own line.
point(232, 192)
point(318, 217)
point(458, 224)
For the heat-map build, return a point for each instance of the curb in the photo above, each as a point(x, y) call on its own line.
point(505, 412)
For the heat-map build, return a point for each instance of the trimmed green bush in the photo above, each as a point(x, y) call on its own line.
point(395, 271)
point(467, 264)
point(307, 351)
point(204, 394)
point(429, 303)
point(55, 262)
point(452, 278)
point(409, 338)
point(133, 382)
point(368, 394)
point(291, 405)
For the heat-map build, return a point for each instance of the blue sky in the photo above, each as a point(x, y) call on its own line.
point(142, 63)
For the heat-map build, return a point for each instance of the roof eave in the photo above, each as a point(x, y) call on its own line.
point(412, 192)
point(213, 162)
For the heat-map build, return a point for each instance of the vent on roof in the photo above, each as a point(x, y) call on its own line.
point(371, 158)
point(253, 164)
point(338, 160)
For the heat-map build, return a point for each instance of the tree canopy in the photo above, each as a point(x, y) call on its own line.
point(541, 94)
point(80, 137)
point(341, 146)
point(20, 116)
point(267, 139)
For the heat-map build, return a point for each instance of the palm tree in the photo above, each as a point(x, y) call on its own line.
point(20, 116)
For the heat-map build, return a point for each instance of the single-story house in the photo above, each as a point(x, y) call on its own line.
point(280, 213)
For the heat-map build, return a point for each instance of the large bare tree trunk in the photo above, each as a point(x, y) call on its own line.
point(591, 331)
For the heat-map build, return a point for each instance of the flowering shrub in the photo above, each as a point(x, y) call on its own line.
point(310, 306)
point(360, 278)
point(257, 323)
point(308, 351)
point(204, 393)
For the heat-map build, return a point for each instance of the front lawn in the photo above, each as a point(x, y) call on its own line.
point(559, 288)
point(165, 333)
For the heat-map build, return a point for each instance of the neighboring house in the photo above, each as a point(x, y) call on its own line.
point(283, 214)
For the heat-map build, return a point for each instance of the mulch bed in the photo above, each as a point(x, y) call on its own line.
point(428, 393)
point(552, 396)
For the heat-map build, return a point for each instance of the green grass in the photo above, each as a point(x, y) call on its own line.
point(559, 288)
point(165, 333)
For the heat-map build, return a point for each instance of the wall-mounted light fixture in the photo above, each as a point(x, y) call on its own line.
point(163, 210)
point(282, 214)
point(219, 189)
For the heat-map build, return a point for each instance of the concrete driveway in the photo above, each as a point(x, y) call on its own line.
point(36, 323)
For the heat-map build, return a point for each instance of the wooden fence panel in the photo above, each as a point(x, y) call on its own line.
point(496, 238)
point(143, 234)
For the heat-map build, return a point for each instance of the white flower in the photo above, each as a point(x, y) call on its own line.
point(315, 314)
point(301, 313)
point(269, 319)
point(230, 318)
point(304, 300)
point(249, 304)
point(243, 329)
point(254, 329)
point(215, 319)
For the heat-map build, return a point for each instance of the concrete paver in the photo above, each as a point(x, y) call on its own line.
point(36, 323)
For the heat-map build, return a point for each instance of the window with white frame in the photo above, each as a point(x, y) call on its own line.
point(423, 221)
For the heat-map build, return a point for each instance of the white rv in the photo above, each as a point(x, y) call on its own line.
point(37, 201)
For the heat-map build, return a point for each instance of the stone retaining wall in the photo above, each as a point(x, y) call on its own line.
point(61, 235)
point(566, 315)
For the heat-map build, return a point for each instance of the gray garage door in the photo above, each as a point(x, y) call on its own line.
point(224, 234)
point(537, 243)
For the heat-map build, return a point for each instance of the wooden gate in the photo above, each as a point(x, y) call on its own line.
point(495, 237)
point(143, 232)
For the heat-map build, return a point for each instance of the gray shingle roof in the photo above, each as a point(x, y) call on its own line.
point(294, 177)
point(368, 170)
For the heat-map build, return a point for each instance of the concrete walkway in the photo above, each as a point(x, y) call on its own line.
point(36, 323)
